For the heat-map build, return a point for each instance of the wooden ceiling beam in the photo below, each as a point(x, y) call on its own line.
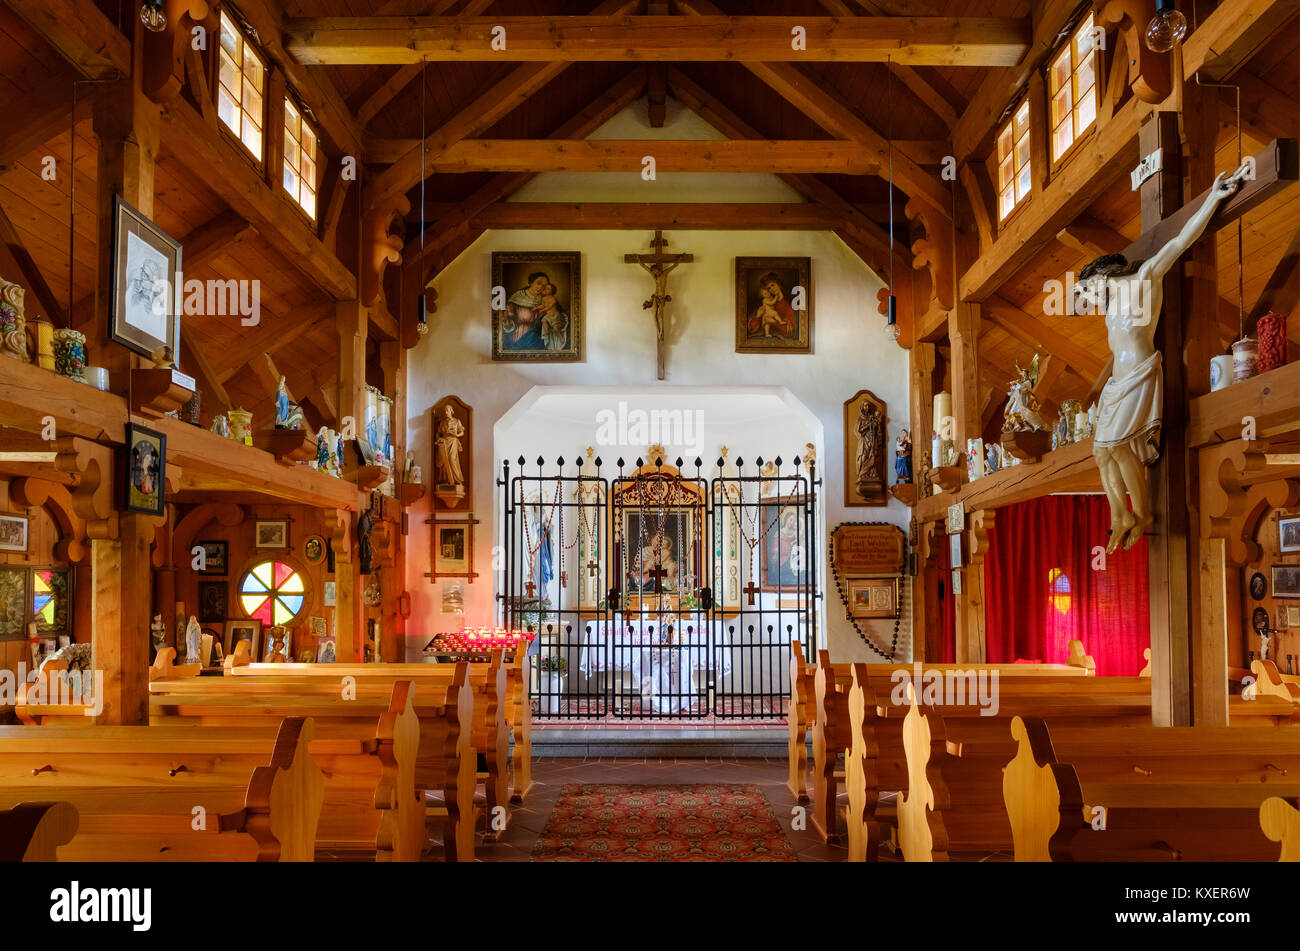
point(1036, 333)
point(607, 155)
point(80, 33)
point(12, 247)
point(1231, 34)
point(194, 358)
point(721, 117)
point(930, 41)
point(765, 216)
point(1282, 290)
point(492, 105)
point(446, 228)
point(839, 120)
point(266, 340)
point(40, 117)
point(213, 238)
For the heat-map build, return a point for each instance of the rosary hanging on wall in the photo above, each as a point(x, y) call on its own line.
point(870, 552)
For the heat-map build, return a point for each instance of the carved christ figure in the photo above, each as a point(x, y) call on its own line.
point(660, 297)
point(868, 447)
point(1130, 296)
point(450, 432)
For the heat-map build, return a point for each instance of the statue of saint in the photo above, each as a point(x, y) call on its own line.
point(903, 458)
point(450, 432)
point(1130, 296)
point(868, 447)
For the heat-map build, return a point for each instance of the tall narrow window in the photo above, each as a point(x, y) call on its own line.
point(1072, 86)
point(241, 80)
point(299, 160)
point(1014, 179)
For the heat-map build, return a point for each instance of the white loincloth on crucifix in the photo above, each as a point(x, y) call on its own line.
point(658, 265)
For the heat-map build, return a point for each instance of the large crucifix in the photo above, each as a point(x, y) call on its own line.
point(658, 265)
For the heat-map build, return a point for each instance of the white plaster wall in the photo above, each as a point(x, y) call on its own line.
point(851, 352)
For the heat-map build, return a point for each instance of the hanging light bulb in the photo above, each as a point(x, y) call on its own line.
point(891, 318)
point(1166, 29)
point(423, 326)
point(152, 15)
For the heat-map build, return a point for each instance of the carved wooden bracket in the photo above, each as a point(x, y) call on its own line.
point(156, 391)
point(338, 526)
point(1148, 72)
point(164, 53)
point(289, 446)
point(980, 523)
point(91, 466)
point(1246, 487)
point(934, 251)
point(57, 500)
point(930, 541)
point(383, 541)
point(380, 248)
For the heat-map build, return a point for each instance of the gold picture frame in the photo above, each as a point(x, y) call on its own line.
point(873, 598)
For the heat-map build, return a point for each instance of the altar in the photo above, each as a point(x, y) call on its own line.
point(669, 671)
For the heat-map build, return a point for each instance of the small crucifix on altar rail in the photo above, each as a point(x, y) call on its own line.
point(750, 589)
point(658, 265)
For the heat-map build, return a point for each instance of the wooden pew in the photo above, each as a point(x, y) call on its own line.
point(33, 831)
point(827, 686)
point(408, 745)
point(137, 789)
point(490, 683)
point(1152, 793)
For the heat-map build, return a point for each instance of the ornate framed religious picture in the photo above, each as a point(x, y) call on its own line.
point(313, 549)
point(212, 602)
point(1286, 581)
point(451, 426)
point(250, 630)
point(785, 555)
point(146, 470)
point(537, 306)
point(1288, 533)
point(13, 533)
point(774, 311)
point(865, 421)
point(1258, 586)
point(142, 299)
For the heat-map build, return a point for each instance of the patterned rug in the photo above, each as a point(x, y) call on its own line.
point(598, 822)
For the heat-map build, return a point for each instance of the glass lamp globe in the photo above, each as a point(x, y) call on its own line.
point(152, 16)
point(1166, 29)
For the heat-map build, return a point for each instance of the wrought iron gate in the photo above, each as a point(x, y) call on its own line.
point(656, 593)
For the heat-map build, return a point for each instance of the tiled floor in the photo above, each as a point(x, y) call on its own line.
point(549, 775)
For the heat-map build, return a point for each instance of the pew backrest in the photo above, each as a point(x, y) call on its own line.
point(33, 831)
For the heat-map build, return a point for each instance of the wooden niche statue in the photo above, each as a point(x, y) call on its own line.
point(452, 430)
point(865, 422)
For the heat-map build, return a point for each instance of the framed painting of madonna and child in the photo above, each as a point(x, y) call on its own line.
point(537, 306)
point(774, 305)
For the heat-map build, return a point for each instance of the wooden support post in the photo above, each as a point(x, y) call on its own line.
point(1200, 126)
point(963, 336)
point(1210, 646)
point(922, 394)
point(392, 357)
point(972, 638)
point(349, 608)
point(120, 602)
point(1170, 581)
point(352, 324)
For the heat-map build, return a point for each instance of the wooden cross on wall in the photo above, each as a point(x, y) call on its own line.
point(658, 265)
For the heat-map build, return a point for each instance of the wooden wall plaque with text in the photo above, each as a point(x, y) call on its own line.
point(869, 550)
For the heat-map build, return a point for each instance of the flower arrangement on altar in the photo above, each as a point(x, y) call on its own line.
point(480, 639)
point(553, 664)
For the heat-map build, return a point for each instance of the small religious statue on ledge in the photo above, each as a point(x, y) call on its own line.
point(659, 265)
point(288, 414)
point(1130, 295)
point(903, 458)
point(1022, 406)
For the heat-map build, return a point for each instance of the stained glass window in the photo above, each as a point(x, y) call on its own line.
point(272, 592)
point(34, 594)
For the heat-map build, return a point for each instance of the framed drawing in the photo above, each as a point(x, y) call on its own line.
point(774, 311)
point(1286, 581)
point(142, 300)
point(212, 602)
point(146, 469)
point(452, 429)
point(537, 306)
point(784, 557)
point(873, 597)
point(865, 421)
point(277, 647)
point(216, 557)
point(330, 593)
point(1288, 533)
point(271, 534)
point(250, 631)
point(13, 533)
point(452, 544)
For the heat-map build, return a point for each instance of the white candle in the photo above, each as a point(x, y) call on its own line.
point(942, 410)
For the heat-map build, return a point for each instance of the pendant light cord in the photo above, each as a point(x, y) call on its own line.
point(889, 96)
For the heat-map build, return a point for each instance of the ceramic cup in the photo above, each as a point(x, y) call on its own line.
point(97, 377)
point(1220, 371)
point(70, 354)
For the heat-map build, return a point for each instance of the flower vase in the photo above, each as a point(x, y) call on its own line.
point(70, 354)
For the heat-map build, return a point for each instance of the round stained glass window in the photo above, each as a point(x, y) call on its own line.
point(272, 592)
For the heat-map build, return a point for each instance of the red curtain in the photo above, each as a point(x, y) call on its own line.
point(1045, 586)
point(947, 603)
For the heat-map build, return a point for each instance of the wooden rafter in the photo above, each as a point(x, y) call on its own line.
point(764, 216)
point(11, 245)
point(38, 118)
point(1038, 334)
point(83, 36)
point(493, 104)
point(1282, 290)
point(932, 41)
point(838, 119)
